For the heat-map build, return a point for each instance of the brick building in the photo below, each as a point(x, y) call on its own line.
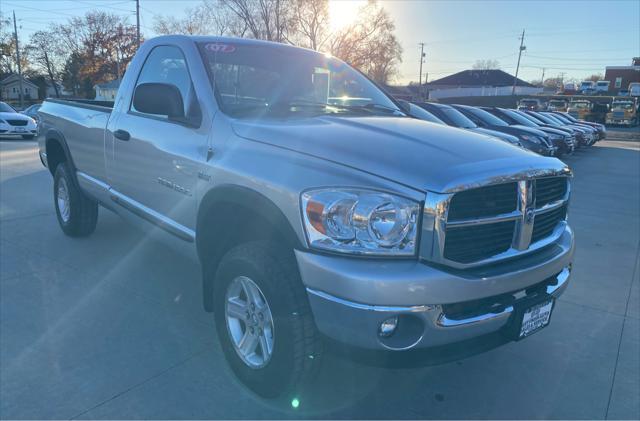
point(621, 76)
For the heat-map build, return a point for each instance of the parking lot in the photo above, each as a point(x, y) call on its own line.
point(112, 326)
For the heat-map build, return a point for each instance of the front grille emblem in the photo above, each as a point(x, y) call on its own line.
point(526, 207)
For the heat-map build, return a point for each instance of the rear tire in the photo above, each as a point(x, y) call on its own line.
point(296, 347)
point(77, 214)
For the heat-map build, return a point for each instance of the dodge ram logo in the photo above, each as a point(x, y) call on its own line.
point(528, 216)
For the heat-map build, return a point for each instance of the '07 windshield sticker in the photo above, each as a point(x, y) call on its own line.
point(217, 47)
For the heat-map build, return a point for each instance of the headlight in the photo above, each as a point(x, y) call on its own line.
point(534, 139)
point(360, 222)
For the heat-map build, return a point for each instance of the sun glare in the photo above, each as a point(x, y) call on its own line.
point(343, 12)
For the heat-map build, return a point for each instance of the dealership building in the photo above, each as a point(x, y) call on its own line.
point(621, 76)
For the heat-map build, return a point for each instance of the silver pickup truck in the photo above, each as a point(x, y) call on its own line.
point(319, 211)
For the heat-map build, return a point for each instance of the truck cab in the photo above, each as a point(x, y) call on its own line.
point(587, 87)
point(580, 108)
point(624, 111)
point(532, 104)
point(602, 87)
point(557, 105)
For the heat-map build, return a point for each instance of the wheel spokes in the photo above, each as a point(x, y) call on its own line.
point(237, 309)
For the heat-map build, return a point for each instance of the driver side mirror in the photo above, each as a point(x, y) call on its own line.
point(159, 99)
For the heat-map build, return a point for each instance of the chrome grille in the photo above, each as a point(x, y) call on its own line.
point(473, 243)
point(486, 201)
point(490, 223)
point(549, 190)
point(545, 223)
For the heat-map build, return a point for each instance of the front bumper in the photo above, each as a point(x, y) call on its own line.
point(7, 129)
point(351, 297)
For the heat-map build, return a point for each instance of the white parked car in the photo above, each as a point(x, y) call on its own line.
point(14, 123)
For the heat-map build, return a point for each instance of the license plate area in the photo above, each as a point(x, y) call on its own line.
point(530, 316)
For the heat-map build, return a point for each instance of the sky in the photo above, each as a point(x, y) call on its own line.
point(577, 38)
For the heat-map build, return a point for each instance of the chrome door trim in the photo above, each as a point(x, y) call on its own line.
point(139, 209)
point(154, 217)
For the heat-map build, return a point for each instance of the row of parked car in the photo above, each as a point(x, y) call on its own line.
point(548, 133)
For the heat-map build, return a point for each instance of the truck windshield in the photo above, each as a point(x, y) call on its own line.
point(579, 105)
point(621, 106)
point(266, 80)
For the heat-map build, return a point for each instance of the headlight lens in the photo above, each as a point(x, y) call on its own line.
point(534, 139)
point(360, 222)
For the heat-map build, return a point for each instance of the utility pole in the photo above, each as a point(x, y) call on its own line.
point(422, 55)
point(542, 80)
point(138, 21)
point(15, 34)
point(515, 78)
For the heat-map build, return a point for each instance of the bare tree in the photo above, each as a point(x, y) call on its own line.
point(595, 77)
point(369, 44)
point(99, 46)
point(47, 55)
point(311, 20)
point(208, 18)
point(8, 58)
point(271, 20)
point(486, 65)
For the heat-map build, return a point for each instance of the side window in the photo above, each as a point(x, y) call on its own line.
point(166, 64)
point(618, 82)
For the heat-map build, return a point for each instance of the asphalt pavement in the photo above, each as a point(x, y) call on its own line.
point(112, 326)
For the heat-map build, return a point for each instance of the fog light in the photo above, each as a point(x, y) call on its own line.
point(388, 326)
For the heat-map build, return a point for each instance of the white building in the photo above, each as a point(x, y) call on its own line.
point(10, 88)
point(107, 91)
point(493, 82)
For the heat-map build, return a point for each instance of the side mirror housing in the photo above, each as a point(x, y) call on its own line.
point(159, 99)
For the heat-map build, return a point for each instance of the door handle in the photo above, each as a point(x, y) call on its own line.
point(122, 135)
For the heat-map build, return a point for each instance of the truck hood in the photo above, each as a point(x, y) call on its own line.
point(416, 153)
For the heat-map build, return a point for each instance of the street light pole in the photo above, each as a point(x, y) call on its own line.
point(421, 44)
point(515, 78)
point(15, 34)
point(138, 22)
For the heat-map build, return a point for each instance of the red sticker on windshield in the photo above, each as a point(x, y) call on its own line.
point(217, 47)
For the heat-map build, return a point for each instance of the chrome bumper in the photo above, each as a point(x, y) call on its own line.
point(357, 324)
point(349, 298)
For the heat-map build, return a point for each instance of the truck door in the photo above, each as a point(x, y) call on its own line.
point(156, 159)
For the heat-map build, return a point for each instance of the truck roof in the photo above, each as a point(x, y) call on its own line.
point(237, 41)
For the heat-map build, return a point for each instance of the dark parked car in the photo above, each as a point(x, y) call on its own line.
point(590, 135)
point(455, 118)
point(418, 112)
point(578, 134)
point(563, 139)
point(533, 139)
point(601, 128)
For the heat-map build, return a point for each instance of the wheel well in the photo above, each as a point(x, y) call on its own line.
point(229, 219)
point(55, 154)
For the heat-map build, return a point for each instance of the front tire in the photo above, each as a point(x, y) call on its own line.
point(264, 321)
point(77, 214)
